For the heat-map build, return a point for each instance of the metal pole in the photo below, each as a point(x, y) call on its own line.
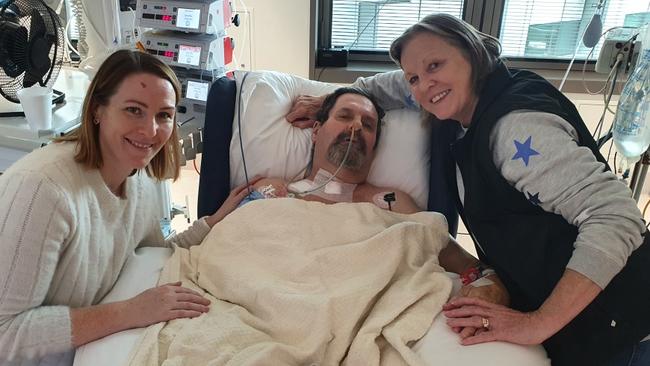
point(638, 175)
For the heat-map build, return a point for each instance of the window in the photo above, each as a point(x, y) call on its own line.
point(534, 30)
point(551, 29)
point(371, 25)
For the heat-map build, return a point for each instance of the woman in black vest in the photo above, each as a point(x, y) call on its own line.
point(561, 231)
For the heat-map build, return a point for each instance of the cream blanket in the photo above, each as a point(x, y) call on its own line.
point(304, 283)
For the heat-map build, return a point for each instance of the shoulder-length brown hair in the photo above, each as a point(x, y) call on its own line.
point(117, 67)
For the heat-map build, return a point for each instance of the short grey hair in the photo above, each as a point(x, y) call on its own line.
point(481, 50)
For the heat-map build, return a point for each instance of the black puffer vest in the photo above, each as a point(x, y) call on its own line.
point(529, 247)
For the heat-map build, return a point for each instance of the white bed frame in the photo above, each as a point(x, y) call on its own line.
point(440, 346)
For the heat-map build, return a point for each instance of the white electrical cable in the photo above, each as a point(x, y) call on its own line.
point(135, 29)
point(67, 39)
point(607, 97)
point(76, 8)
point(584, 82)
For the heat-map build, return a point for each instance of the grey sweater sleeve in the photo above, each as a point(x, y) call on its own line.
point(194, 235)
point(537, 153)
point(34, 219)
point(390, 89)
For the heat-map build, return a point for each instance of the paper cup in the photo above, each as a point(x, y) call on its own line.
point(37, 105)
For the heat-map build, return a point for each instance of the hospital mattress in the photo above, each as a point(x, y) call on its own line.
point(440, 346)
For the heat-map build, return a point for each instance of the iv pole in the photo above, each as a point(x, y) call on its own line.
point(638, 175)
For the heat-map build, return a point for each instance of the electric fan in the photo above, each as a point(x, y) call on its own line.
point(31, 46)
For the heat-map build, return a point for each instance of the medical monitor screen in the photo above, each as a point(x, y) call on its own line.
point(197, 90)
point(189, 55)
point(188, 18)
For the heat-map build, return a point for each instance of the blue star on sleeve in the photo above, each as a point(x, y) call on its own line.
point(524, 150)
point(534, 198)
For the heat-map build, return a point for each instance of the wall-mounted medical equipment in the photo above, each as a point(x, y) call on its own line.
point(623, 42)
point(196, 90)
point(191, 51)
point(190, 113)
point(209, 17)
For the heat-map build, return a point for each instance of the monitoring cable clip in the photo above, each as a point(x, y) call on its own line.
point(389, 197)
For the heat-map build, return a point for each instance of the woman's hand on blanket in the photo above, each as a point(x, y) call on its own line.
point(303, 111)
point(231, 203)
point(164, 303)
point(495, 322)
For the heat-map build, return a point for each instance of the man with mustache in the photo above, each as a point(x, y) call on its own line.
point(353, 114)
point(349, 119)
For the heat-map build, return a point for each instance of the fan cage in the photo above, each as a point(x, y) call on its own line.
point(21, 12)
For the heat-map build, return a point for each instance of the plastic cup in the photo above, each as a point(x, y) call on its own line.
point(37, 105)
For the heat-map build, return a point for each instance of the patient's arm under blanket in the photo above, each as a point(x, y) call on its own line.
point(295, 282)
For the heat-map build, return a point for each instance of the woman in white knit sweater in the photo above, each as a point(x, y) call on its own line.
point(72, 212)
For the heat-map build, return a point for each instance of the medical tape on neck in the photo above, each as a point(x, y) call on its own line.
point(333, 191)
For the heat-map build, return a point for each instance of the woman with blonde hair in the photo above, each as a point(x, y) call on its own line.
point(72, 212)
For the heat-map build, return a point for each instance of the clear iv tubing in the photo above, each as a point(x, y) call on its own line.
point(345, 158)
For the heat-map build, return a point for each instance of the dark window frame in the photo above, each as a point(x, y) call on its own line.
point(479, 13)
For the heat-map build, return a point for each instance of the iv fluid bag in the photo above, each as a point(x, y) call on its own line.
point(631, 129)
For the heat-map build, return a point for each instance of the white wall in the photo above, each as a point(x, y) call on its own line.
point(279, 37)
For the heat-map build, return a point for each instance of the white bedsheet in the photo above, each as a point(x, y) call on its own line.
point(438, 347)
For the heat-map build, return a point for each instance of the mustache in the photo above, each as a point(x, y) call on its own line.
point(358, 142)
point(337, 150)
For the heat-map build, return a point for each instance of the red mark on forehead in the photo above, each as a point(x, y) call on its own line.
point(144, 86)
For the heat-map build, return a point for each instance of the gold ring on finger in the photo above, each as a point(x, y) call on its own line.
point(486, 323)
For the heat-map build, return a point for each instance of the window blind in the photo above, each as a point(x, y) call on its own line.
point(551, 29)
point(371, 25)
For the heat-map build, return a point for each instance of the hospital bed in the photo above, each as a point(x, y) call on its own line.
point(245, 117)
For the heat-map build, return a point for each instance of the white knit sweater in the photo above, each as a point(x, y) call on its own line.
point(64, 238)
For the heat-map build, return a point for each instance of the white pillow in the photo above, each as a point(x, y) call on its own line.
point(274, 148)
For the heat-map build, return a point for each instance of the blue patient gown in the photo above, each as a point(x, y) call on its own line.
point(254, 195)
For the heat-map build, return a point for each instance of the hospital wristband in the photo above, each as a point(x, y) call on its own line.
point(474, 273)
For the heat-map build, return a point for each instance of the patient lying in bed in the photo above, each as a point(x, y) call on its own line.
point(344, 141)
point(295, 282)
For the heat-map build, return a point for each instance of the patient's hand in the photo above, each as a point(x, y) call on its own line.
point(278, 189)
point(231, 203)
point(303, 111)
point(495, 293)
